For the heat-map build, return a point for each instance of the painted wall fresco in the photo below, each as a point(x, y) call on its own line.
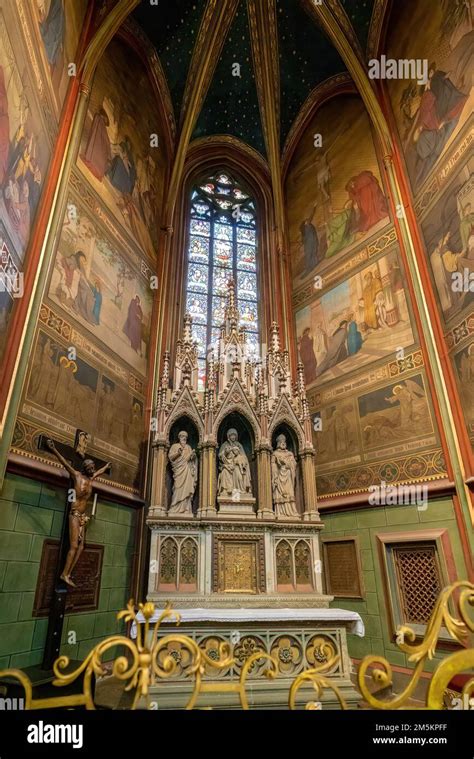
point(25, 150)
point(90, 392)
point(362, 319)
point(368, 430)
point(58, 26)
point(96, 284)
point(448, 230)
point(429, 116)
point(436, 129)
point(116, 155)
point(335, 197)
point(99, 298)
point(367, 391)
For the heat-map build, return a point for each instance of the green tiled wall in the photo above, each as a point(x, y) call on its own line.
point(29, 513)
point(366, 523)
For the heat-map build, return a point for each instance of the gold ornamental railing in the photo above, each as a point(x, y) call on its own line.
point(147, 660)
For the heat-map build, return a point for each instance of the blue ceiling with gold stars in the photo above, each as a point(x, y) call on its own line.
point(359, 13)
point(306, 58)
point(172, 26)
point(231, 105)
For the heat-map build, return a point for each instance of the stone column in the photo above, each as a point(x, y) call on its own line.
point(158, 505)
point(310, 513)
point(264, 495)
point(207, 481)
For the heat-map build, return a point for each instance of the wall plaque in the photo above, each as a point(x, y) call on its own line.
point(342, 567)
point(238, 564)
point(87, 574)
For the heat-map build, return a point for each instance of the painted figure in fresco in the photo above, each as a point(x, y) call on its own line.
point(338, 432)
point(82, 484)
point(52, 30)
point(307, 356)
point(366, 195)
point(310, 242)
point(381, 311)
point(184, 465)
point(440, 277)
point(98, 155)
point(407, 396)
point(320, 343)
point(337, 349)
point(234, 468)
point(466, 226)
point(340, 229)
point(354, 338)
point(4, 128)
point(80, 295)
point(44, 374)
point(122, 172)
point(97, 293)
point(106, 410)
point(283, 466)
point(372, 286)
point(133, 326)
point(440, 107)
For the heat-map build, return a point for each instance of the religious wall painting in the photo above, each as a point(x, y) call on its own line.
point(362, 319)
point(395, 414)
point(464, 366)
point(24, 146)
point(58, 24)
point(119, 155)
point(429, 115)
point(334, 192)
point(93, 281)
point(336, 434)
point(9, 273)
point(119, 417)
point(62, 386)
point(386, 433)
point(448, 231)
point(63, 394)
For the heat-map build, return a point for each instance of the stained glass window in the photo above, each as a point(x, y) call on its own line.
point(222, 245)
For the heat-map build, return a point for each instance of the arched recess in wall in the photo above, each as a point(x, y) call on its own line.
point(434, 126)
point(204, 157)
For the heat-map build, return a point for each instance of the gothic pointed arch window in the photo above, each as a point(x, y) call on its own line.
point(222, 245)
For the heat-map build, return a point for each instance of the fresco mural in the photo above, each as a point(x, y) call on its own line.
point(58, 23)
point(65, 387)
point(24, 148)
point(116, 153)
point(396, 413)
point(335, 197)
point(362, 319)
point(63, 394)
point(385, 433)
point(430, 115)
point(448, 230)
point(464, 364)
point(94, 282)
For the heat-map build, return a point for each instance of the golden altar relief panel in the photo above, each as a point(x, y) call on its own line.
point(238, 564)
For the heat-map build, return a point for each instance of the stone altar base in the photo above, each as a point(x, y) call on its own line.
point(243, 507)
point(298, 639)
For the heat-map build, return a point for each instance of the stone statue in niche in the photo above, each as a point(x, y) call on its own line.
point(234, 469)
point(283, 479)
point(184, 465)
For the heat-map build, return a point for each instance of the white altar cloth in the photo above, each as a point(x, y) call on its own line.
point(262, 615)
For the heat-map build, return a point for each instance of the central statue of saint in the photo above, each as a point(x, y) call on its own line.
point(234, 469)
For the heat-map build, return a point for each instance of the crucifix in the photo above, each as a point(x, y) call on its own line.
point(82, 472)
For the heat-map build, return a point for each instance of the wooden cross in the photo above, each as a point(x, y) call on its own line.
point(75, 461)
